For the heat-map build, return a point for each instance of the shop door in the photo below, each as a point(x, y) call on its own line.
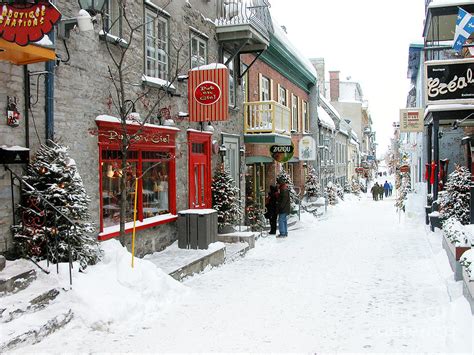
point(260, 186)
point(199, 146)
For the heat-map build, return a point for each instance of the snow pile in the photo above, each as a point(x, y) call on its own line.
point(454, 231)
point(416, 201)
point(467, 261)
point(112, 292)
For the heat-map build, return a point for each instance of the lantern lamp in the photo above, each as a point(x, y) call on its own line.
point(93, 7)
point(222, 150)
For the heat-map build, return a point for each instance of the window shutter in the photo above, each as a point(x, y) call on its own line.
point(272, 96)
point(260, 87)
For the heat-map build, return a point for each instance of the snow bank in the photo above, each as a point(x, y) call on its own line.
point(112, 292)
point(467, 260)
point(416, 201)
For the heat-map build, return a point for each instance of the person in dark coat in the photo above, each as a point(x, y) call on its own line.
point(284, 209)
point(375, 191)
point(271, 205)
point(380, 191)
point(386, 188)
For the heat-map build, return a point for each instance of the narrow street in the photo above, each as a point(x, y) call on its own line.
point(358, 281)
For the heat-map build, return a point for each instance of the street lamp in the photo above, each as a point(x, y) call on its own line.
point(93, 7)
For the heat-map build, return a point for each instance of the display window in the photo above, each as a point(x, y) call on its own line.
point(151, 160)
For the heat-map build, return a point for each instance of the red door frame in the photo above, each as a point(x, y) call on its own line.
point(202, 159)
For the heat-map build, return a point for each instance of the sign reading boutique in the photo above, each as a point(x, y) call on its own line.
point(450, 81)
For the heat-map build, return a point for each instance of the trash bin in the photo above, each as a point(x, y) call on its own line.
point(197, 228)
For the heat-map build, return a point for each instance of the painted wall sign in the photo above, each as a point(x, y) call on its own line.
point(208, 94)
point(24, 24)
point(411, 120)
point(450, 81)
point(307, 148)
point(282, 153)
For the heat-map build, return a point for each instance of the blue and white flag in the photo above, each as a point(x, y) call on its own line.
point(464, 28)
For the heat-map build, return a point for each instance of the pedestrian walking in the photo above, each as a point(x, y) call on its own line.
point(284, 209)
point(375, 191)
point(390, 189)
point(271, 205)
point(380, 191)
point(386, 188)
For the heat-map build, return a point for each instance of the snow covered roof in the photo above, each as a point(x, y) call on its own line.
point(283, 38)
point(113, 119)
point(329, 106)
point(344, 127)
point(325, 119)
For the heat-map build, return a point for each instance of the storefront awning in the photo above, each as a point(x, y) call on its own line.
point(257, 159)
point(267, 138)
point(21, 55)
point(450, 113)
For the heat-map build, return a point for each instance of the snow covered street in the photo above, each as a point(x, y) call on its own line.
point(359, 280)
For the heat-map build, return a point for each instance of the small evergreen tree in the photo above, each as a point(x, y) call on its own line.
point(254, 215)
point(355, 186)
point(456, 199)
point(43, 233)
point(225, 198)
point(339, 191)
point(312, 187)
point(405, 188)
point(348, 187)
point(331, 193)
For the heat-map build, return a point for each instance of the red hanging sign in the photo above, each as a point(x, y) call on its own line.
point(404, 169)
point(24, 24)
point(208, 94)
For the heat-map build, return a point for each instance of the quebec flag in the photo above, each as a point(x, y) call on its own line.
point(464, 28)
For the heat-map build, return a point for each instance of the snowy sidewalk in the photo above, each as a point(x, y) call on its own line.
point(358, 281)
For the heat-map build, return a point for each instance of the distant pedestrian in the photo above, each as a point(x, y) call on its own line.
point(284, 209)
point(271, 205)
point(390, 189)
point(386, 188)
point(380, 192)
point(375, 191)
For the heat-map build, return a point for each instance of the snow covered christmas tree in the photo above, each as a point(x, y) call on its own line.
point(225, 198)
point(44, 233)
point(311, 186)
point(355, 186)
point(254, 215)
point(340, 191)
point(331, 192)
point(405, 188)
point(348, 187)
point(456, 198)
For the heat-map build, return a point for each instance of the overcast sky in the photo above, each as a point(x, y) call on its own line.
point(367, 40)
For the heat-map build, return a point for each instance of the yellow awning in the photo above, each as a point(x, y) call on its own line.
point(21, 55)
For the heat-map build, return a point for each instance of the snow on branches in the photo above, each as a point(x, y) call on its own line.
point(455, 200)
point(225, 198)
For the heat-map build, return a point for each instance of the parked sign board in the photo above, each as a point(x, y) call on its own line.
point(449, 81)
point(23, 24)
point(411, 120)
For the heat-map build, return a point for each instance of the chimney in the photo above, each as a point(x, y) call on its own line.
point(334, 85)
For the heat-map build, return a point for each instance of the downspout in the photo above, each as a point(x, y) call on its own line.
point(26, 80)
point(49, 94)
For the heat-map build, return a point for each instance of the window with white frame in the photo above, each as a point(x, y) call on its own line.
point(114, 18)
point(198, 50)
point(294, 112)
point(282, 96)
point(306, 127)
point(264, 89)
point(156, 44)
point(231, 79)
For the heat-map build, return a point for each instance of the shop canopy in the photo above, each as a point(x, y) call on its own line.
point(28, 54)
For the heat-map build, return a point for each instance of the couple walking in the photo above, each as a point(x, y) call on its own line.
point(278, 206)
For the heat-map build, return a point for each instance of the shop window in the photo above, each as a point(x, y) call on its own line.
point(153, 170)
point(198, 50)
point(265, 89)
point(282, 95)
point(156, 44)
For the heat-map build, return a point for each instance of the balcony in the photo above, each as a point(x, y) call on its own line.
point(245, 24)
point(267, 122)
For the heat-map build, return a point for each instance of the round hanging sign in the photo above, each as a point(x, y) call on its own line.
point(404, 169)
point(207, 93)
point(282, 153)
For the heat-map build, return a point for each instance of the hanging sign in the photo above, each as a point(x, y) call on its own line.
point(23, 24)
point(208, 93)
point(359, 170)
point(307, 148)
point(405, 169)
point(282, 153)
point(411, 120)
point(450, 81)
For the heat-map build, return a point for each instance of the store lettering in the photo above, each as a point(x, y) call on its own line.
point(207, 93)
point(15, 18)
point(435, 87)
point(144, 137)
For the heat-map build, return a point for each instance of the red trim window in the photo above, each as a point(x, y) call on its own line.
point(151, 158)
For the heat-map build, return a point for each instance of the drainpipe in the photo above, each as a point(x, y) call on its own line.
point(49, 100)
point(26, 80)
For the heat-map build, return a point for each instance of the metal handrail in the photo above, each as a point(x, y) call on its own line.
point(43, 198)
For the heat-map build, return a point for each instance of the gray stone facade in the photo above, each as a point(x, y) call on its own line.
point(82, 88)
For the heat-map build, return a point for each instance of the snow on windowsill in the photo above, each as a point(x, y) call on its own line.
point(113, 119)
point(197, 211)
point(112, 39)
point(200, 33)
point(139, 224)
point(158, 83)
point(156, 7)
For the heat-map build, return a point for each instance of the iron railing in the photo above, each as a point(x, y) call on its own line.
point(267, 117)
point(246, 12)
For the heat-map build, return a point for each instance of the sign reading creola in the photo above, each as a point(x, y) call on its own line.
point(450, 81)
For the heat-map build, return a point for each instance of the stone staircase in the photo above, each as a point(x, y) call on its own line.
point(29, 310)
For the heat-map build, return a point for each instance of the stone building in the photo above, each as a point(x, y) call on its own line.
point(73, 101)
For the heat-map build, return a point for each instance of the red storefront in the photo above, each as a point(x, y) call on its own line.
point(151, 158)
